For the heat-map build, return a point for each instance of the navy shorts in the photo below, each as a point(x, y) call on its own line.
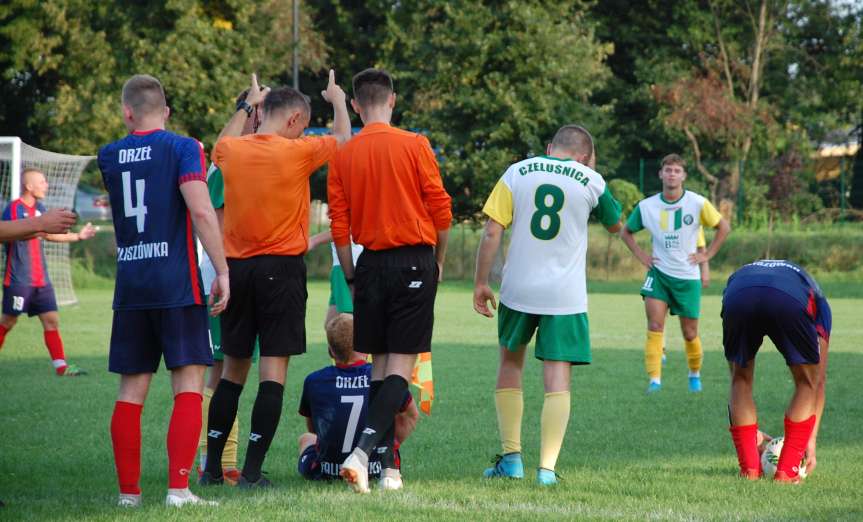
point(751, 313)
point(308, 465)
point(139, 339)
point(32, 300)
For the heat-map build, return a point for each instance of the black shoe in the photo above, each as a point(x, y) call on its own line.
point(262, 483)
point(208, 480)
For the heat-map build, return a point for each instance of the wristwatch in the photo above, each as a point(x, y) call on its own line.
point(245, 106)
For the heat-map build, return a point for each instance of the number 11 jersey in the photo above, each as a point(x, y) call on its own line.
point(157, 265)
point(548, 202)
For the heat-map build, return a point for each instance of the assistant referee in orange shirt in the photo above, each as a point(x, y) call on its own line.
point(385, 192)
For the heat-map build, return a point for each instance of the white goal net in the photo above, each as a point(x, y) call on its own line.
point(63, 172)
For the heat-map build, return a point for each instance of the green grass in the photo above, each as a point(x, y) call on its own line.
point(626, 456)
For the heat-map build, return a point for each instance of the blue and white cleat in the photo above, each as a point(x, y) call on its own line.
point(695, 384)
point(546, 477)
point(508, 466)
point(653, 387)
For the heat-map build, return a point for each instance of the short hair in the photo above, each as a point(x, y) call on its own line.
point(573, 138)
point(673, 159)
point(143, 94)
point(372, 87)
point(283, 98)
point(340, 336)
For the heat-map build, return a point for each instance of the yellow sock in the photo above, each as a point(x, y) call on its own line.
point(205, 415)
point(653, 355)
point(229, 456)
point(555, 417)
point(694, 354)
point(509, 403)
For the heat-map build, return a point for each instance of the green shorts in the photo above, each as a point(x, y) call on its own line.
point(560, 337)
point(216, 339)
point(682, 295)
point(340, 292)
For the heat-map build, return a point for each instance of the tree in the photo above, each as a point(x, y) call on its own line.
point(491, 82)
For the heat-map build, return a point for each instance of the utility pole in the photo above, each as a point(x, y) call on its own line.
point(296, 27)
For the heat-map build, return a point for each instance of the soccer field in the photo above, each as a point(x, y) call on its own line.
point(627, 456)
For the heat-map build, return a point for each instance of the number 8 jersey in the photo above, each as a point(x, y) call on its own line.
point(548, 202)
point(157, 264)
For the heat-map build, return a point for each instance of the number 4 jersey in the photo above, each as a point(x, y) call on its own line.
point(157, 264)
point(548, 202)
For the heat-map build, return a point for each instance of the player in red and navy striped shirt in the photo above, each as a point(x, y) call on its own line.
point(26, 285)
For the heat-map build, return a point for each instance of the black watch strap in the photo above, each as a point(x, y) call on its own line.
point(244, 105)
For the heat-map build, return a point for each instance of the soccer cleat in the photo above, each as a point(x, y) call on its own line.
point(184, 497)
point(783, 477)
point(546, 477)
point(71, 370)
point(751, 474)
point(391, 480)
point(355, 473)
point(653, 387)
point(262, 483)
point(206, 479)
point(127, 500)
point(695, 384)
point(509, 466)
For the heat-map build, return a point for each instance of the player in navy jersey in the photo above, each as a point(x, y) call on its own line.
point(335, 403)
point(26, 285)
point(780, 300)
point(157, 186)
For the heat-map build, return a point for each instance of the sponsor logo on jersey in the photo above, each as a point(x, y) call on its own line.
point(688, 219)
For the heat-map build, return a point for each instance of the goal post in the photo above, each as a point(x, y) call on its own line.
point(63, 172)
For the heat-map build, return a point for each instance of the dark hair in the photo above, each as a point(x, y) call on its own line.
point(573, 138)
point(143, 94)
point(282, 98)
point(372, 87)
point(673, 159)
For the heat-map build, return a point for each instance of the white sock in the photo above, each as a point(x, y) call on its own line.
point(59, 363)
point(655, 381)
point(694, 374)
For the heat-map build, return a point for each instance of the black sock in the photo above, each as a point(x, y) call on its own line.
point(384, 447)
point(223, 411)
point(265, 419)
point(374, 388)
point(382, 411)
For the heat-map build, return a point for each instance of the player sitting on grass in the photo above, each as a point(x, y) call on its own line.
point(547, 200)
point(335, 403)
point(780, 300)
point(26, 286)
point(673, 217)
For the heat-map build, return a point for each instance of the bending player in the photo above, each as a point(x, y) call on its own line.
point(780, 300)
point(385, 192)
point(26, 286)
point(547, 200)
point(266, 235)
point(673, 283)
point(335, 402)
point(157, 185)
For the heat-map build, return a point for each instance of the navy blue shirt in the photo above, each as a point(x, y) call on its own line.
point(25, 260)
point(157, 263)
point(335, 398)
point(789, 278)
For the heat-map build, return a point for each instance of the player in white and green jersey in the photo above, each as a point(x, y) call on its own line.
point(674, 218)
point(546, 201)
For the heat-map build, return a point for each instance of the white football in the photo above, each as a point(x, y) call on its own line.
point(770, 458)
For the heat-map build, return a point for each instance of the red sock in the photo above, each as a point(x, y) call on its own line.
point(126, 437)
point(746, 443)
point(183, 434)
point(3, 332)
point(796, 439)
point(55, 348)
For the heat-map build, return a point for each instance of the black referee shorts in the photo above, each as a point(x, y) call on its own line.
point(268, 299)
point(394, 293)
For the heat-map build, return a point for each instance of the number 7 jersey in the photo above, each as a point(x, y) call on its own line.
point(157, 264)
point(547, 201)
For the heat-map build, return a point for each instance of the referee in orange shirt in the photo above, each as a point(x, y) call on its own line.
point(266, 225)
point(385, 192)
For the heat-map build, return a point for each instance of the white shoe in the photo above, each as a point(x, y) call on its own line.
point(391, 480)
point(129, 501)
point(184, 497)
point(355, 472)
